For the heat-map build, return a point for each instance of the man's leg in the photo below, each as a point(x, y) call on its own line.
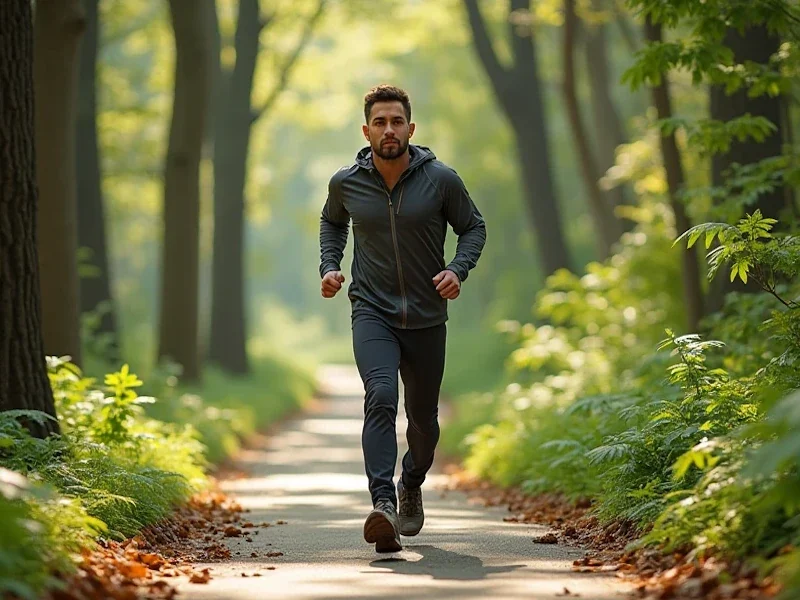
point(377, 354)
point(422, 368)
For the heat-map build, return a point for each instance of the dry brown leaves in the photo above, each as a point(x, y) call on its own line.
point(657, 576)
point(142, 566)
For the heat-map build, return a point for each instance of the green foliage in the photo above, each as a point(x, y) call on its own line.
point(753, 251)
point(225, 409)
point(39, 531)
point(707, 457)
point(115, 469)
point(665, 446)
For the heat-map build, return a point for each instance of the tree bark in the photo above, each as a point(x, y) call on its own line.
point(227, 343)
point(95, 289)
point(23, 372)
point(57, 32)
point(690, 271)
point(178, 339)
point(609, 131)
point(607, 227)
point(518, 91)
point(234, 120)
point(756, 45)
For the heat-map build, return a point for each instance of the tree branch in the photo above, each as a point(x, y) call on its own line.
point(285, 70)
point(498, 74)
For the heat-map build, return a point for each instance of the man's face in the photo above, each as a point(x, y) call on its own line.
point(388, 130)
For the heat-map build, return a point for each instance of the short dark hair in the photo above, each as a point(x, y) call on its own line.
point(386, 93)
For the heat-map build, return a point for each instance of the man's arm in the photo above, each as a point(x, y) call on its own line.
point(467, 223)
point(333, 228)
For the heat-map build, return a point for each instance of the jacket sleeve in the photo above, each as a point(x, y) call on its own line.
point(466, 221)
point(333, 229)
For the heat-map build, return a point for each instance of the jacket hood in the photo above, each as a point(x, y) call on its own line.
point(417, 156)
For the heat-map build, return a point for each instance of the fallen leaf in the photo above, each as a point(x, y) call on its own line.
point(203, 576)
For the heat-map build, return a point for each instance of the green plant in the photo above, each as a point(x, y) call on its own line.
point(40, 532)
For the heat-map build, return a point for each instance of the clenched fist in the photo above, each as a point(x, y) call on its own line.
point(332, 283)
point(447, 284)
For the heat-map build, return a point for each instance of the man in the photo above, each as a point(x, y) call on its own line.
point(400, 199)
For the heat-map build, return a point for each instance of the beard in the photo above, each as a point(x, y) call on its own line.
point(391, 151)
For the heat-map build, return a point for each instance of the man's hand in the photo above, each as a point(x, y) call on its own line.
point(447, 284)
point(332, 283)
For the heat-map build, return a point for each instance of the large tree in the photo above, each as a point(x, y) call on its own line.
point(178, 326)
point(23, 374)
point(95, 285)
point(234, 119)
point(608, 127)
point(755, 44)
point(518, 90)
point(58, 27)
point(608, 227)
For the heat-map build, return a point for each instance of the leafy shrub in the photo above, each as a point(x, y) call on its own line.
point(39, 531)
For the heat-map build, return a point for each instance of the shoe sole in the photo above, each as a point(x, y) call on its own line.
point(379, 530)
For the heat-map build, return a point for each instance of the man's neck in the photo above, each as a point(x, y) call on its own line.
point(391, 170)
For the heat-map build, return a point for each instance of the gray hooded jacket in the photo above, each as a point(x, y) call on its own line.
point(399, 236)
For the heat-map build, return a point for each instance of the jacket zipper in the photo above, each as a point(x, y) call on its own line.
point(400, 200)
point(397, 255)
point(397, 249)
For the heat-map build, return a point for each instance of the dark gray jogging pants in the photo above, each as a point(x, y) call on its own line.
point(419, 354)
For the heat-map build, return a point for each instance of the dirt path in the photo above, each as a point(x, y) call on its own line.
point(311, 475)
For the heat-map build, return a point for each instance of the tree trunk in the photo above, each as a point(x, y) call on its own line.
point(757, 45)
point(227, 345)
point(95, 289)
point(607, 227)
point(692, 292)
point(518, 91)
point(23, 372)
point(607, 122)
point(234, 120)
point(178, 338)
point(57, 31)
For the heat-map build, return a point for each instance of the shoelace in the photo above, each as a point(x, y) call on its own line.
point(412, 503)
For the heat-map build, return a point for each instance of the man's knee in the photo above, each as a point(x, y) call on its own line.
point(381, 397)
point(424, 421)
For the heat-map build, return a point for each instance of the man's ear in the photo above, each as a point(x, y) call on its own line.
point(365, 130)
point(411, 128)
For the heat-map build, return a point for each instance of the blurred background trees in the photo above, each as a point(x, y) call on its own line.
point(182, 151)
point(196, 190)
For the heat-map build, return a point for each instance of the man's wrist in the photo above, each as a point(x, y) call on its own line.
point(452, 270)
point(328, 269)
